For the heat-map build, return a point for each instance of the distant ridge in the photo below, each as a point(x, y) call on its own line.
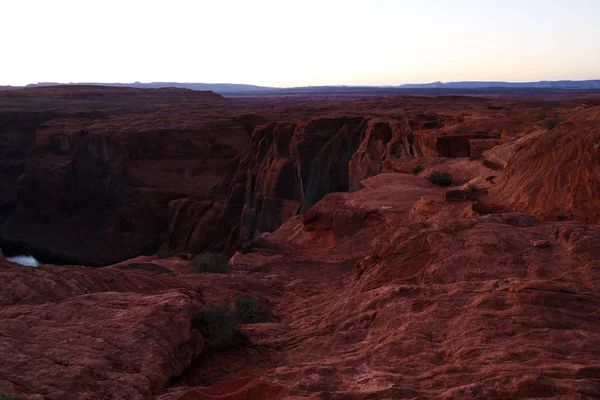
point(579, 85)
point(215, 87)
point(243, 89)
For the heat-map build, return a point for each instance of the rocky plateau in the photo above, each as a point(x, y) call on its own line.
point(382, 282)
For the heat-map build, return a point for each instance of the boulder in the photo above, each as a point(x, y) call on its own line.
point(77, 332)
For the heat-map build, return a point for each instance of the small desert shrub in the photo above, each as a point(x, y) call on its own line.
point(219, 325)
point(416, 170)
point(245, 247)
point(491, 165)
point(472, 188)
point(440, 178)
point(250, 310)
point(7, 397)
point(210, 263)
point(551, 123)
point(260, 242)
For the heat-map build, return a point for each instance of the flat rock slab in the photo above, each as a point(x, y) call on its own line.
point(102, 345)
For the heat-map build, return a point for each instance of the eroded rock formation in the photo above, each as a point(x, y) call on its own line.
point(96, 186)
point(112, 173)
point(556, 174)
point(382, 284)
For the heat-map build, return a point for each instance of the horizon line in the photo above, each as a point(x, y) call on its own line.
point(296, 86)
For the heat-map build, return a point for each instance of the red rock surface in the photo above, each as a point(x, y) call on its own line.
point(397, 289)
point(113, 173)
point(556, 174)
point(446, 303)
point(80, 333)
point(446, 307)
point(291, 165)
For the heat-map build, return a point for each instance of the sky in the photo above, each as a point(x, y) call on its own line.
point(298, 42)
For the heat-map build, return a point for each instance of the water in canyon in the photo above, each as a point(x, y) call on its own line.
point(30, 261)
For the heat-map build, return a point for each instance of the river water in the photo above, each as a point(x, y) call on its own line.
point(30, 261)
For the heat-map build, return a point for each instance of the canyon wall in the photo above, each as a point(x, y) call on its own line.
point(99, 175)
point(94, 187)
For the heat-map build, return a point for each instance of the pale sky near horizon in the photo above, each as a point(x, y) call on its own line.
point(298, 43)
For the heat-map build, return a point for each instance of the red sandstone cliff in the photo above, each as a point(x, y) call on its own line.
point(113, 172)
point(96, 185)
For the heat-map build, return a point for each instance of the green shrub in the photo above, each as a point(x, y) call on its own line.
point(245, 247)
point(551, 123)
point(219, 325)
point(416, 170)
point(210, 263)
point(491, 165)
point(250, 310)
point(440, 178)
point(7, 397)
point(472, 188)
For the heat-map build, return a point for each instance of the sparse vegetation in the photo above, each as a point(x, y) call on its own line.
point(491, 165)
point(416, 170)
point(471, 188)
point(440, 178)
point(245, 247)
point(551, 123)
point(219, 325)
point(210, 263)
point(7, 397)
point(250, 310)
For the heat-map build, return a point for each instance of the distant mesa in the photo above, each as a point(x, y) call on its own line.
point(220, 88)
point(243, 89)
point(564, 84)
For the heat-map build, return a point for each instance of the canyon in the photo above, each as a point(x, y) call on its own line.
point(382, 283)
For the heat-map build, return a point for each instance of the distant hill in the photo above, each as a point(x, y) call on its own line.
point(242, 89)
point(580, 85)
point(220, 88)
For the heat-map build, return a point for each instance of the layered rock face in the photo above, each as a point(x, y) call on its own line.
point(97, 185)
point(444, 302)
point(17, 135)
point(556, 174)
point(290, 165)
point(125, 331)
point(467, 308)
point(112, 173)
point(77, 332)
